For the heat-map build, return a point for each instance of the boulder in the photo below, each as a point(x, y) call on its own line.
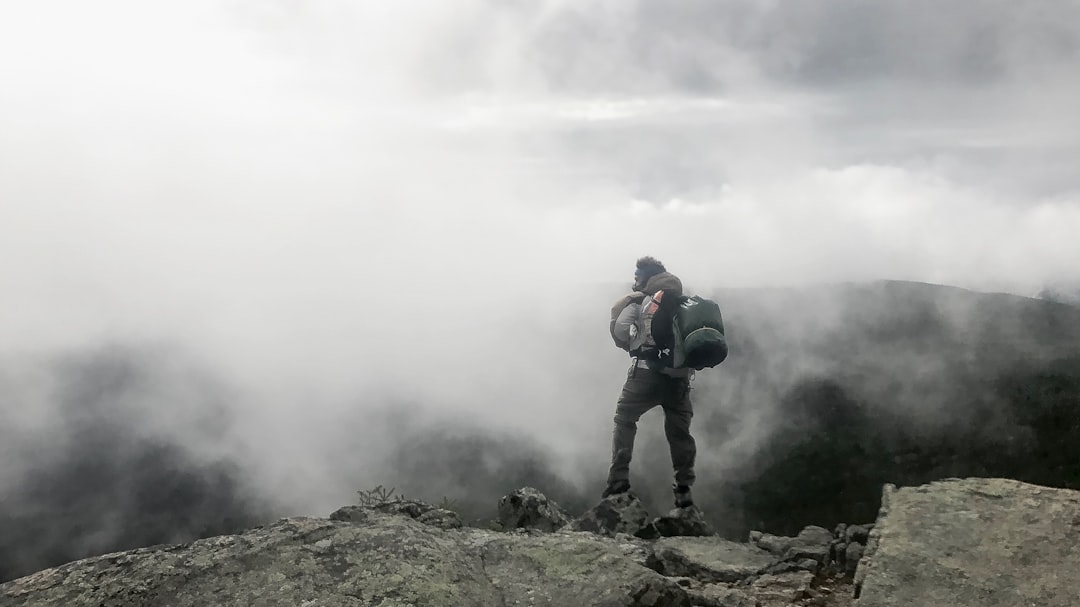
point(852, 555)
point(621, 513)
point(848, 547)
point(809, 537)
point(857, 533)
point(708, 559)
point(527, 508)
point(813, 536)
point(775, 544)
point(683, 522)
point(810, 550)
point(624, 513)
point(973, 542)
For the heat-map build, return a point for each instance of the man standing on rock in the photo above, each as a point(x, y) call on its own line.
point(641, 324)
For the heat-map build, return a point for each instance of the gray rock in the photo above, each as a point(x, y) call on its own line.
point(814, 536)
point(622, 513)
point(782, 589)
point(527, 508)
point(778, 545)
point(811, 544)
point(708, 559)
point(817, 553)
point(404, 552)
point(857, 533)
point(852, 556)
point(391, 560)
point(649, 532)
point(722, 595)
point(421, 511)
point(837, 549)
point(683, 522)
point(775, 544)
point(809, 565)
point(572, 569)
point(973, 542)
point(441, 518)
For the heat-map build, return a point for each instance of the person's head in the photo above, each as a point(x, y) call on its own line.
point(647, 267)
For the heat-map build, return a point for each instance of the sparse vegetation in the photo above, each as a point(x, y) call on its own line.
point(446, 503)
point(377, 495)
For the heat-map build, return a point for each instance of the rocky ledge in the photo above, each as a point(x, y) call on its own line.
point(973, 542)
point(960, 542)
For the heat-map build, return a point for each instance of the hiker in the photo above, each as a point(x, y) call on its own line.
point(641, 323)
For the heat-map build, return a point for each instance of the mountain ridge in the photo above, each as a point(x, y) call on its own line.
point(829, 392)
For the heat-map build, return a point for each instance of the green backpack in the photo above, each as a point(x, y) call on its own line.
point(699, 334)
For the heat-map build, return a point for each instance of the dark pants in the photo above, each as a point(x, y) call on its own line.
point(643, 390)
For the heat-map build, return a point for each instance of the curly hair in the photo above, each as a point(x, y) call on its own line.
point(651, 265)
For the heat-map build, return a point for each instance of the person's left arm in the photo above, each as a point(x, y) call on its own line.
point(624, 319)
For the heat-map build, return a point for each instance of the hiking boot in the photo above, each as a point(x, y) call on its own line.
point(682, 496)
point(615, 488)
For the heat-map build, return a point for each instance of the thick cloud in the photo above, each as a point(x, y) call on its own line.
point(341, 207)
point(711, 48)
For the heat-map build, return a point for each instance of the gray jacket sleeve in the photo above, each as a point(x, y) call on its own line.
point(624, 329)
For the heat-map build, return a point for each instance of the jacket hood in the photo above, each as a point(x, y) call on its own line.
point(664, 281)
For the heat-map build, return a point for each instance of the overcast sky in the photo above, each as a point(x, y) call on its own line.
point(300, 193)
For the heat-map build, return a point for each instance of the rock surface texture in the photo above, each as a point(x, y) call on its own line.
point(973, 542)
point(527, 508)
point(388, 560)
point(408, 553)
point(624, 513)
